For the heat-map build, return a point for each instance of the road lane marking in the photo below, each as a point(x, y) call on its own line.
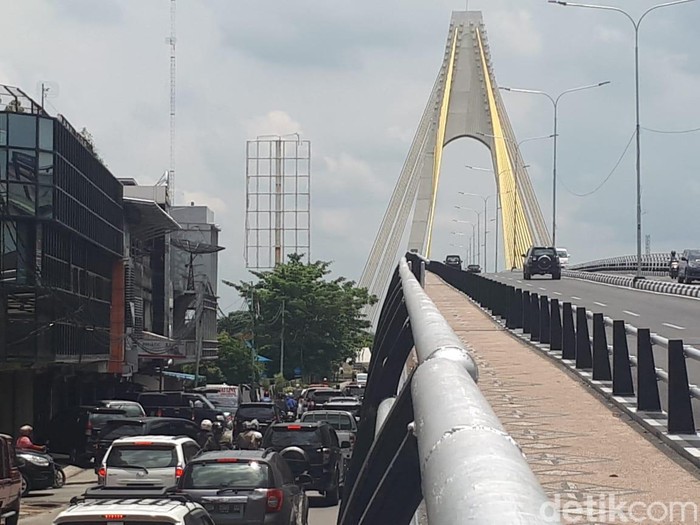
point(556, 293)
point(673, 326)
point(630, 313)
point(543, 289)
point(600, 304)
point(575, 298)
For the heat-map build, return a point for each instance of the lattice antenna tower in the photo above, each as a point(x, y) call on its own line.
point(171, 41)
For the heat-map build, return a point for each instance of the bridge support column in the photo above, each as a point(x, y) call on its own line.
point(647, 385)
point(544, 320)
point(555, 332)
point(569, 335)
point(680, 408)
point(534, 317)
point(622, 371)
point(584, 361)
point(601, 358)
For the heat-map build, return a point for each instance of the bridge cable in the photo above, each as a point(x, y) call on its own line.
point(607, 178)
point(671, 131)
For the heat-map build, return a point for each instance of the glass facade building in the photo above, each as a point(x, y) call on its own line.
point(61, 233)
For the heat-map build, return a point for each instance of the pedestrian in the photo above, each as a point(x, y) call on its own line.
point(25, 442)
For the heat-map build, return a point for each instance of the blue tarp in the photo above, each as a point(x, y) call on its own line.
point(263, 359)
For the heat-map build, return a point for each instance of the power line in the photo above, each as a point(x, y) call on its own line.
point(674, 132)
point(607, 178)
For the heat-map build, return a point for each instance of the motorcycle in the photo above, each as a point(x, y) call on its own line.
point(673, 270)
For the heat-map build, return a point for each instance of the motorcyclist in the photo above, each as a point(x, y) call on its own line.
point(24, 442)
point(291, 403)
point(205, 432)
point(214, 440)
point(250, 438)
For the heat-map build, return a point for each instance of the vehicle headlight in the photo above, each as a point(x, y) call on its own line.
point(36, 460)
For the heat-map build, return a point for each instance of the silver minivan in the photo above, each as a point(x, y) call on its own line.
point(143, 461)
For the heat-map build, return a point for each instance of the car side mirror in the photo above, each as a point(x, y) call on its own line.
point(304, 480)
point(345, 444)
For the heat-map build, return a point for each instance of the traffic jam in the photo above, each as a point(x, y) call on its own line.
point(211, 455)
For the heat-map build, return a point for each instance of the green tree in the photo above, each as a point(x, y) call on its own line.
point(208, 369)
point(236, 360)
point(321, 320)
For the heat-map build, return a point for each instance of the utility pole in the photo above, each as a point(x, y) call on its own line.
point(198, 333)
point(282, 343)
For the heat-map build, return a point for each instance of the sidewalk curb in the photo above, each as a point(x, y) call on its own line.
point(652, 423)
point(71, 471)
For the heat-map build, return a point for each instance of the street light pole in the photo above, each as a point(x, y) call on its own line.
point(478, 232)
point(555, 104)
point(636, 25)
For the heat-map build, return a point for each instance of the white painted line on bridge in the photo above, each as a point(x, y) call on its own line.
point(575, 298)
point(556, 293)
point(630, 313)
point(673, 326)
point(600, 304)
point(543, 289)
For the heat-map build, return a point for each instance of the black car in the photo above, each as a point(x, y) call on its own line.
point(453, 261)
point(246, 486)
point(317, 398)
point(312, 448)
point(187, 405)
point(689, 266)
point(474, 268)
point(39, 472)
point(73, 431)
point(266, 414)
point(141, 426)
point(540, 260)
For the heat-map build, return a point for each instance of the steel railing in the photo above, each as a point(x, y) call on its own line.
point(458, 459)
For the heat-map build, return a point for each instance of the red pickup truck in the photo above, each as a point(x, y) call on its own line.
point(10, 482)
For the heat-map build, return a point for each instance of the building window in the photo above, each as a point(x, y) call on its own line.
point(21, 130)
point(45, 202)
point(3, 164)
point(45, 169)
point(21, 199)
point(45, 134)
point(21, 166)
point(8, 254)
point(3, 129)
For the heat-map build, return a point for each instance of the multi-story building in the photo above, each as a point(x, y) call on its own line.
point(61, 270)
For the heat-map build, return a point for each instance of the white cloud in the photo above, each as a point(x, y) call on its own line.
point(345, 172)
point(216, 204)
point(275, 122)
point(515, 29)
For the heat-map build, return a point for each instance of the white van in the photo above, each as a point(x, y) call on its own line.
point(361, 379)
point(143, 461)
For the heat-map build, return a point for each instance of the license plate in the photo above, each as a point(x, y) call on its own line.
point(225, 508)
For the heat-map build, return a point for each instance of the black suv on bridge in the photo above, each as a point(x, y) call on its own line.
point(541, 260)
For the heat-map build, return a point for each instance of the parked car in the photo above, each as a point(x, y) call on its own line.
point(313, 448)
point(254, 487)
point(186, 405)
point(563, 255)
point(158, 461)
point(453, 261)
point(141, 426)
point(540, 260)
point(130, 408)
point(343, 423)
point(266, 413)
point(39, 471)
point(10, 482)
point(473, 268)
point(74, 431)
point(119, 506)
point(689, 266)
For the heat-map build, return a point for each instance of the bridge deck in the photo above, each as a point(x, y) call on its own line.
point(581, 449)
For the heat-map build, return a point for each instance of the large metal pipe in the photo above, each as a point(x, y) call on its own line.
point(472, 471)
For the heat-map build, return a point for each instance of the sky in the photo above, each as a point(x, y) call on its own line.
point(353, 78)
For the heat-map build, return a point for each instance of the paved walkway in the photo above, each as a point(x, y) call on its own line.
point(586, 455)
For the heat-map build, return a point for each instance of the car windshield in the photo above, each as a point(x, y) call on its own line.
point(223, 400)
point(536, 252)
point(98, 420)
point(357, 391)
point(452, 259)
point(118, 429)
point(130, 409)
point(322, 396)
point(146, 456)
point(337, 421)
point(283, 437)
point(259, 413)
point(693, 255)
point(562, 253)
point(354, 409)
point(221, 475)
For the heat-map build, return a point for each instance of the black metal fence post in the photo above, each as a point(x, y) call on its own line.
point(534, 317)
point(555, 332)
point(526, 312)
point(647, 385)
point(512, 309)
point(568, 350)
point(544, 320)
point(680, 407)
point(622, 370)
point(601, 358)
point(584, 360)
point(518, 309)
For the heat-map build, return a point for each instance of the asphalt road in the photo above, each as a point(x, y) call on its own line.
point(40, 508)
point(672, 317)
